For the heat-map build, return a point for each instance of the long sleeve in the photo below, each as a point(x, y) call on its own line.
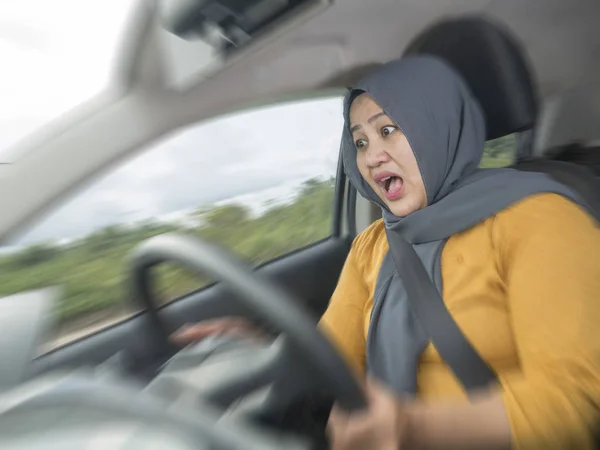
point(549, 258)
point(343, 320)
point(346, 319)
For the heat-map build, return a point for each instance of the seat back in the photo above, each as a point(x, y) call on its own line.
point(578, 177)
point(571, 119)
point(493, 64)
point(585, 154)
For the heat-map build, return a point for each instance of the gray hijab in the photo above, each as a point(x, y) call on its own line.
point(445, 128)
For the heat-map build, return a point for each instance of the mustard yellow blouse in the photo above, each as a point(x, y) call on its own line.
point(524, 286)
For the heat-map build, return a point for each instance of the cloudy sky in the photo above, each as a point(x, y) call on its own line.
point(55, 55)
point(250, 157)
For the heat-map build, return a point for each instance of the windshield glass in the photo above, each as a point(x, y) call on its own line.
point(55, 56)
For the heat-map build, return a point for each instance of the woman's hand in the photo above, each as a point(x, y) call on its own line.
point(383, 425)
point(389, 424)
point(235, 326)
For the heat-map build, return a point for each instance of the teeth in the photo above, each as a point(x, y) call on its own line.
point(383, 180)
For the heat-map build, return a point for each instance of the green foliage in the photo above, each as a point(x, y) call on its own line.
point(36, 254)
point(499, 152)
point(93, 269)
point(226, 216)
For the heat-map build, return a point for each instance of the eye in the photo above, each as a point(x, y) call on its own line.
point(360, 144)
point(387, 130)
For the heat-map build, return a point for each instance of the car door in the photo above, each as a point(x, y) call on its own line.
point(265, 184)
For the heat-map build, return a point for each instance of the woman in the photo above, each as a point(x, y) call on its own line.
point(515, 256)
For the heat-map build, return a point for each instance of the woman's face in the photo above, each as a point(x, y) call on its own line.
point(385, 159)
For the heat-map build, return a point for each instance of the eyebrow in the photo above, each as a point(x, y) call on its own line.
point(370, 119)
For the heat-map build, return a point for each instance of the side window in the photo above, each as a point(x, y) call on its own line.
point(499, 152)
point(259, 182)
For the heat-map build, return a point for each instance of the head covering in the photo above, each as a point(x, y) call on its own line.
point(445, 128)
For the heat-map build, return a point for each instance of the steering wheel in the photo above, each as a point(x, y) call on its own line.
point(302, 345)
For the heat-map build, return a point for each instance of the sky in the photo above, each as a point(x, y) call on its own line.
point(251, 157)
point(55, 55)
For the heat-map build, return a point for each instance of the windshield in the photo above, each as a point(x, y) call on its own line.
point(55, 56)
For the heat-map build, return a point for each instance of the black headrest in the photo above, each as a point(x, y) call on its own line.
point(494, 65)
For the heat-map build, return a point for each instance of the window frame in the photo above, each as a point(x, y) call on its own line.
point(338, 227)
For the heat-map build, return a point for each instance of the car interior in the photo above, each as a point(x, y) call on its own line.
point(531, 64)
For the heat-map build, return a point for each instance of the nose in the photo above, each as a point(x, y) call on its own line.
point(376, 155)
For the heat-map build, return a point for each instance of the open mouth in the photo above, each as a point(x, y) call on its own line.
point(392, 186)
point(391, 183)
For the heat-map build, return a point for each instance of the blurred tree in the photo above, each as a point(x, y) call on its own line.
point(35, 254)
point(227, 216)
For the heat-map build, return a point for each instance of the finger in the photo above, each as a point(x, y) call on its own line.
point(336, 426)
point(337, 416)
point(201, 330)
point(348, 432)
point(354, 420)
point(242, 328)
point(244, 332)
point(372, 384)
point(376, 391)
point(191, 333)
point(235, 325)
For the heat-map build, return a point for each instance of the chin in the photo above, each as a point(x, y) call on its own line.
point(403, 208)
